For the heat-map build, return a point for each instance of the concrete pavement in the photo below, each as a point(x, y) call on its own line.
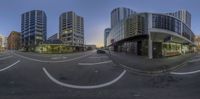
point(27, 79)
point(145, 65)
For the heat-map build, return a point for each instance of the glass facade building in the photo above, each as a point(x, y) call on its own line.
point(172, 24)
point(183, 15)
point(117, 33)
point(106, 33)
point(152, 34)
point(33, 29)
point(166, 22)
point(119, 14)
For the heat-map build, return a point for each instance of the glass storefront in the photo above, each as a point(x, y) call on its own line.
point(133, 47)
point(171, 49)
point(53, 48)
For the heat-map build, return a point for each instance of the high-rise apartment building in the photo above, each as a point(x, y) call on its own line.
point(106, 33)
point(71, 29)
point(119, 14)
point(183, 15)
point(3, 43)
point(33, 29)
point(14, 40)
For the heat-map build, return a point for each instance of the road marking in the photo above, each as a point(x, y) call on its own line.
point(5, 57)
point(99, 57)
point(42, 61)
point(58, 57)
point(197, 57)
point(133, 69)
point(40, 55)
point(184, 73)
point(83, 87)
point(9, 66)
point(105, 62)
point(194, 60)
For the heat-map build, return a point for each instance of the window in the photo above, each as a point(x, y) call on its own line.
point(166, 22)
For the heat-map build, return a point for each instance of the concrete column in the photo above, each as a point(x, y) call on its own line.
point(150, 48)
point(149, 20)
point(150, 52)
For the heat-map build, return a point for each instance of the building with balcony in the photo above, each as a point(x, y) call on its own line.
point(71, 30)
point(33, 29)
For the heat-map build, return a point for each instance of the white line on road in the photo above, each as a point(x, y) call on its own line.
point(52, 61)
point(185, 73)
point(133, 69)
point(9, 66)
point(105, 62)
point(58, 57)
point(5, 57)
point(99, 57)
point(194, 60)
point(83, 87)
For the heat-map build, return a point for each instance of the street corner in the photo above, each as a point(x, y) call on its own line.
point(92, 72)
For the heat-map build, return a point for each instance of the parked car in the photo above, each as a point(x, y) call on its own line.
point(100, 51)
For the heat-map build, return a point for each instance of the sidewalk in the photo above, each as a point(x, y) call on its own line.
point(143, 63)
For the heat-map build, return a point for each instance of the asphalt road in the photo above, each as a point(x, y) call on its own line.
point(88, 75)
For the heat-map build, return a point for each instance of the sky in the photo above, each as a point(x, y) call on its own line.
point(96, 13)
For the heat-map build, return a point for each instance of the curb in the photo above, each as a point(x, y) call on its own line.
point(154, 72)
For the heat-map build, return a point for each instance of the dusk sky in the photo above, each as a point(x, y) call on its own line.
point(96, 13)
